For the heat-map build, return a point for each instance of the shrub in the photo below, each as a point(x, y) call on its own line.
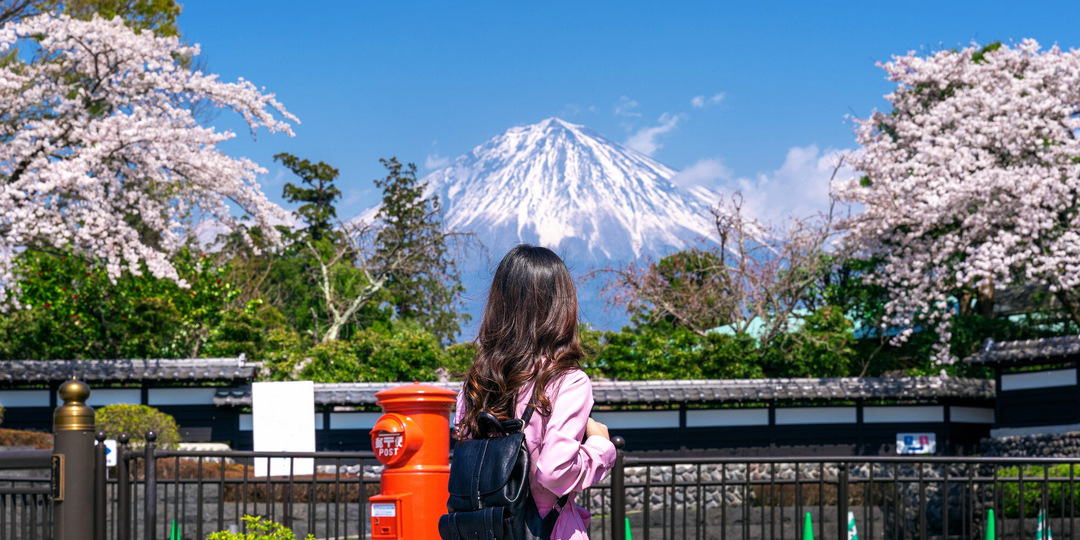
point(1057, 488)
point(399, 352)
point(459, 358)
point(136, 420)
point(258, 530)
point(245, 331)
point(19, 437)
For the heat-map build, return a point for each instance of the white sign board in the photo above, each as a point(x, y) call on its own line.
point(110, 452)
point(283, 420)
point(383, 510)
point(916, 443)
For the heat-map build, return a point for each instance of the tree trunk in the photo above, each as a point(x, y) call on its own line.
point(1072, 309)
point(984, 303)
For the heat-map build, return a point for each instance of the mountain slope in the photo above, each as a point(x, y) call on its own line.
point(564, 186)
point(595, 202)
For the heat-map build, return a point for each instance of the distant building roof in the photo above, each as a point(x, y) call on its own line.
point(182, 369)
point(1031, 351)
point(722, 391)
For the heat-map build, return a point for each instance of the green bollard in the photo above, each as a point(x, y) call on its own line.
point(808, 528)
point(174, 533)
point(990, 533)
point(628, 529)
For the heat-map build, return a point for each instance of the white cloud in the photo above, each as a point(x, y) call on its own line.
point(799, 188)
point(352, 196)
point(645, 140)
point(571, 109)
point(702, 101)
point(706, 172)
point(625, 107)
point(435, 161)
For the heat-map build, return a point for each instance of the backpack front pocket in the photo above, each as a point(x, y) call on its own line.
point(485, 524)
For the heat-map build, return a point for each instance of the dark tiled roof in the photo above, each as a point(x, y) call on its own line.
point(352, 394)
point(185, 369)
point(724, 391)
point(766, 390)
point(1031, 351)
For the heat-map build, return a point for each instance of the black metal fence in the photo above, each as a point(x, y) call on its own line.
point(192, 494)
point(881, 497)
point(26, 509)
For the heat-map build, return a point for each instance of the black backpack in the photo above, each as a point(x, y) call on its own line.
point(489, 486)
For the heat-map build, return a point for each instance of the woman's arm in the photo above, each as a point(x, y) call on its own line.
point(565, 463)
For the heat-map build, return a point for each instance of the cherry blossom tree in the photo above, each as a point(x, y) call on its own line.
point(754, 275)
point(100, 153)
point(970, 184)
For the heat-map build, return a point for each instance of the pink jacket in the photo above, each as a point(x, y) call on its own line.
point(561, 463)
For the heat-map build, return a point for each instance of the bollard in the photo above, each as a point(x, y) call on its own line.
point(73, 463)
point(841, 500)
point(618, 493)
point(123, 490)
point(150, 489)
point(412, 441)
point(100, 478)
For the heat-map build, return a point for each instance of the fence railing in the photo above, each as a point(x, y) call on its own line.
point(26, 510)
point(885, 497)
point(896, 497)
point(196, 493)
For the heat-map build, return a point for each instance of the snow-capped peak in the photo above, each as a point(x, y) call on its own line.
point(562, 185)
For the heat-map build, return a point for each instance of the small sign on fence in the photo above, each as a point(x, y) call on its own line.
point(916, 443)
point(110, 452)
point(56, 485)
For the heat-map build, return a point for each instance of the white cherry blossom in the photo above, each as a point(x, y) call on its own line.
point(972, 181)
point(101, 154)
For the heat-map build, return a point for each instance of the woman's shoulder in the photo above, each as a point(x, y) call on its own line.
point(573, 380)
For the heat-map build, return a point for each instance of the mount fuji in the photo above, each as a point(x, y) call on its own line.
point(593, 201)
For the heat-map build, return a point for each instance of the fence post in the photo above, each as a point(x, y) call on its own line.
point(123, 490)
point(841, 500)
point(618, 491)
point(150, 504)
point(99, 486)
point(73, 462)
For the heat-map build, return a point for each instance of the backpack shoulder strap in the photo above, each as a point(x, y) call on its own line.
point(527, 415)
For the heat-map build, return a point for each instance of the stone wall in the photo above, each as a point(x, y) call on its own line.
point(1054, 445)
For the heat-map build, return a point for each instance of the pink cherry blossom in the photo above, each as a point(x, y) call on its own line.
point(971, 182)
point(102, 154)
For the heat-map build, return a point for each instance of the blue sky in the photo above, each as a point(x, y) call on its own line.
point(425, 81)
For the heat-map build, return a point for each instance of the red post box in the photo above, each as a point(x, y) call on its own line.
point(412, 440)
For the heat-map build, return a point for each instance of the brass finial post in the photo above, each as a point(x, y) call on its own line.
point(73, 462)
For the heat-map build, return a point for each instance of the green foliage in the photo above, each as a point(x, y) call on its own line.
point(1, 414)
point(698, 282)
point(662, 351)
point(136, 420)
point(459, 358)
point(156, 15)
point(1060, 491)
point(980, 56)
point(428, 289)
point(287, 279)
point(258, 530)
point(74, 311)
point(821, 347)
point(398, 352)
point(318, 210)
point(247, 331)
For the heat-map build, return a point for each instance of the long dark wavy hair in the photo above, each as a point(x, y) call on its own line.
point(531, 314)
